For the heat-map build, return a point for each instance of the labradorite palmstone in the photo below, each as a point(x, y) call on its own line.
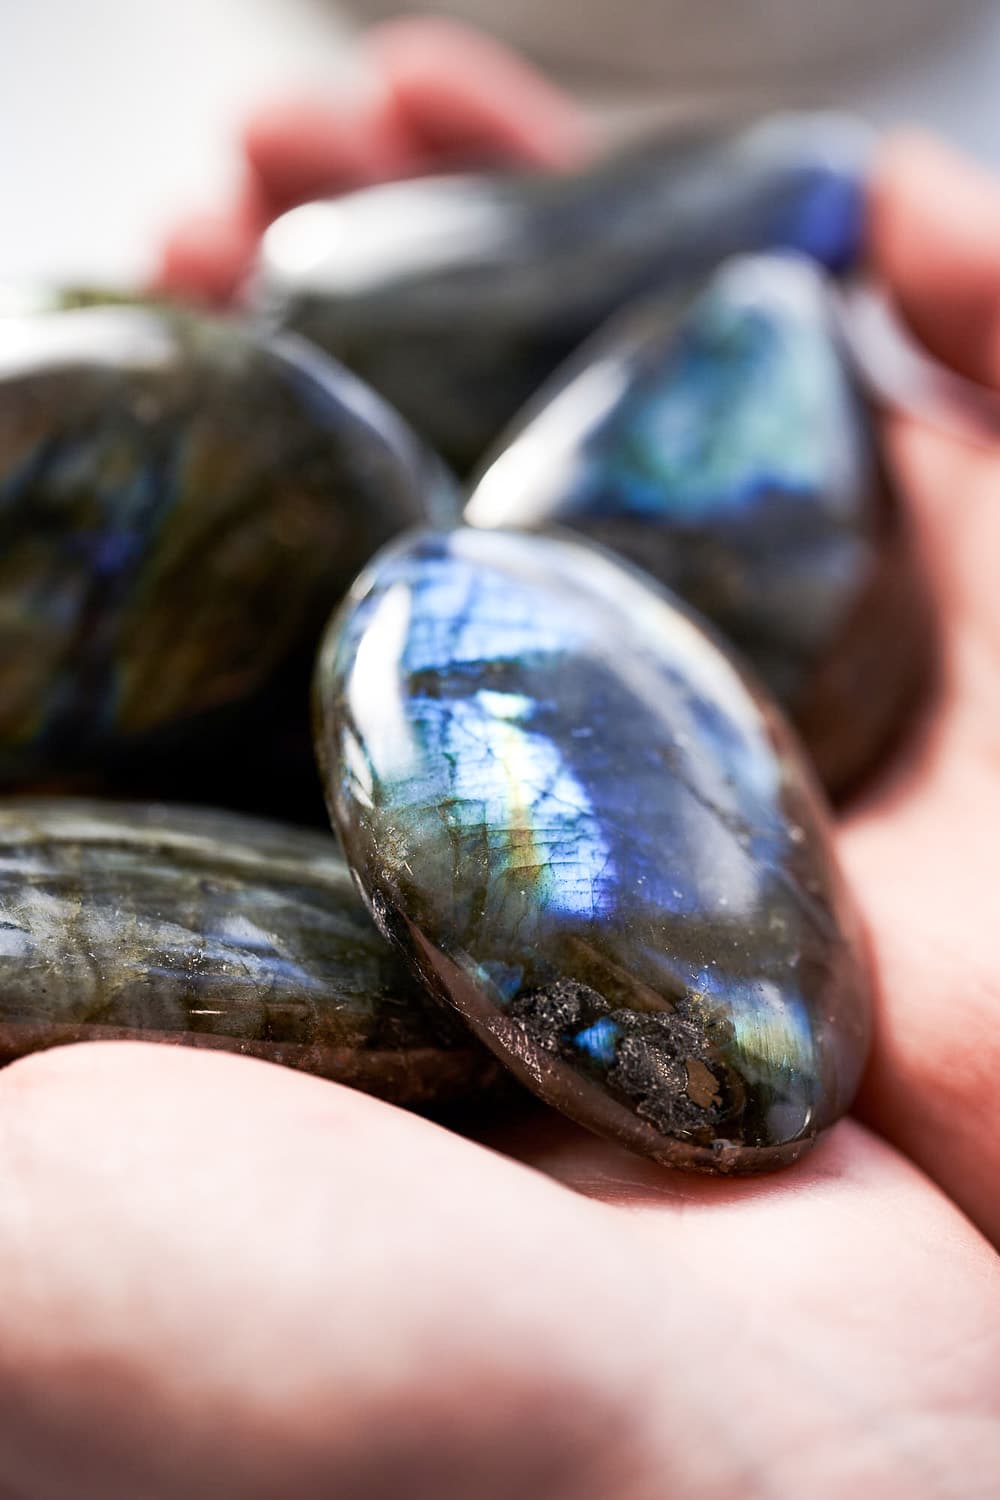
point(588, 830)
point(211, 930)
point(182, 502)
point(455, 297)
point(723, 445)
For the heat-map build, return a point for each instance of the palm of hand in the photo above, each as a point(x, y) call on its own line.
point(224, 1279)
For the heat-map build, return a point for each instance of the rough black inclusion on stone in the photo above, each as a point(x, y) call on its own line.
point(592, 835)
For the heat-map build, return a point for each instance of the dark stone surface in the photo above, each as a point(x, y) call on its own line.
point(211, 930)
point(722, 444)
point(456, 297)
point(590, 833)
point(182, 502)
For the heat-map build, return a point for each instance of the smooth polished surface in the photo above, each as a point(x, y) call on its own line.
point(456, 297)
point(721, 444)
point(588, 832)
point(182, 502)
point(175, 925)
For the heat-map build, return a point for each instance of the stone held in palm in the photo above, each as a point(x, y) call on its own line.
point(588, 830)
point(206, 929)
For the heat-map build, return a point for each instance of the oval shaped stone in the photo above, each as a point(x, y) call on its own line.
point(456, 297)
point(184, 501)
point(723, 445)
point(211, 930)
point(591, 834)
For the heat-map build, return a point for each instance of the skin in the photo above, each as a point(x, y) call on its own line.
point(224, 1279)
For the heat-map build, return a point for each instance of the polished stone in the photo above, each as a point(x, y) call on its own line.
point(163, 924)
point(587, 830)
point(456, 297)
point(722, 444)
point(182, 502)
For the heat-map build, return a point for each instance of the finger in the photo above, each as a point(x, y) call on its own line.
point(463, 93)
point(304, 149)
point(206, 257)
point(429, 92)
point(294, 151)
point(921, 850)
point(931, 1084)
point(934, 236)
point(222, 1278)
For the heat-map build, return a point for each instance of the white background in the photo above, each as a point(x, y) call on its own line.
point(115, 115)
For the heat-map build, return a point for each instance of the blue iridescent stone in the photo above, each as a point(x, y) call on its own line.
point(593, 835)
point(723, 445)
point(183, 500)
point(456, 297)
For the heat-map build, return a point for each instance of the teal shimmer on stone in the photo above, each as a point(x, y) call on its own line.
point(723, 445)
point(590, 833)
point(456, 297)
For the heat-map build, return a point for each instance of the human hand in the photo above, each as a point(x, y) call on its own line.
point(223, 1279)
point(431, 95)
point(922, 848)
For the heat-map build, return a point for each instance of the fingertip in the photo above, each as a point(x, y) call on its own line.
point(929, 203)
point(458, 87)
point(304, 148)
point(431, 92)
point(934, 238)
point(205, 258)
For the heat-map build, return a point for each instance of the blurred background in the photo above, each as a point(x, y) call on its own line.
point(118, 115)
